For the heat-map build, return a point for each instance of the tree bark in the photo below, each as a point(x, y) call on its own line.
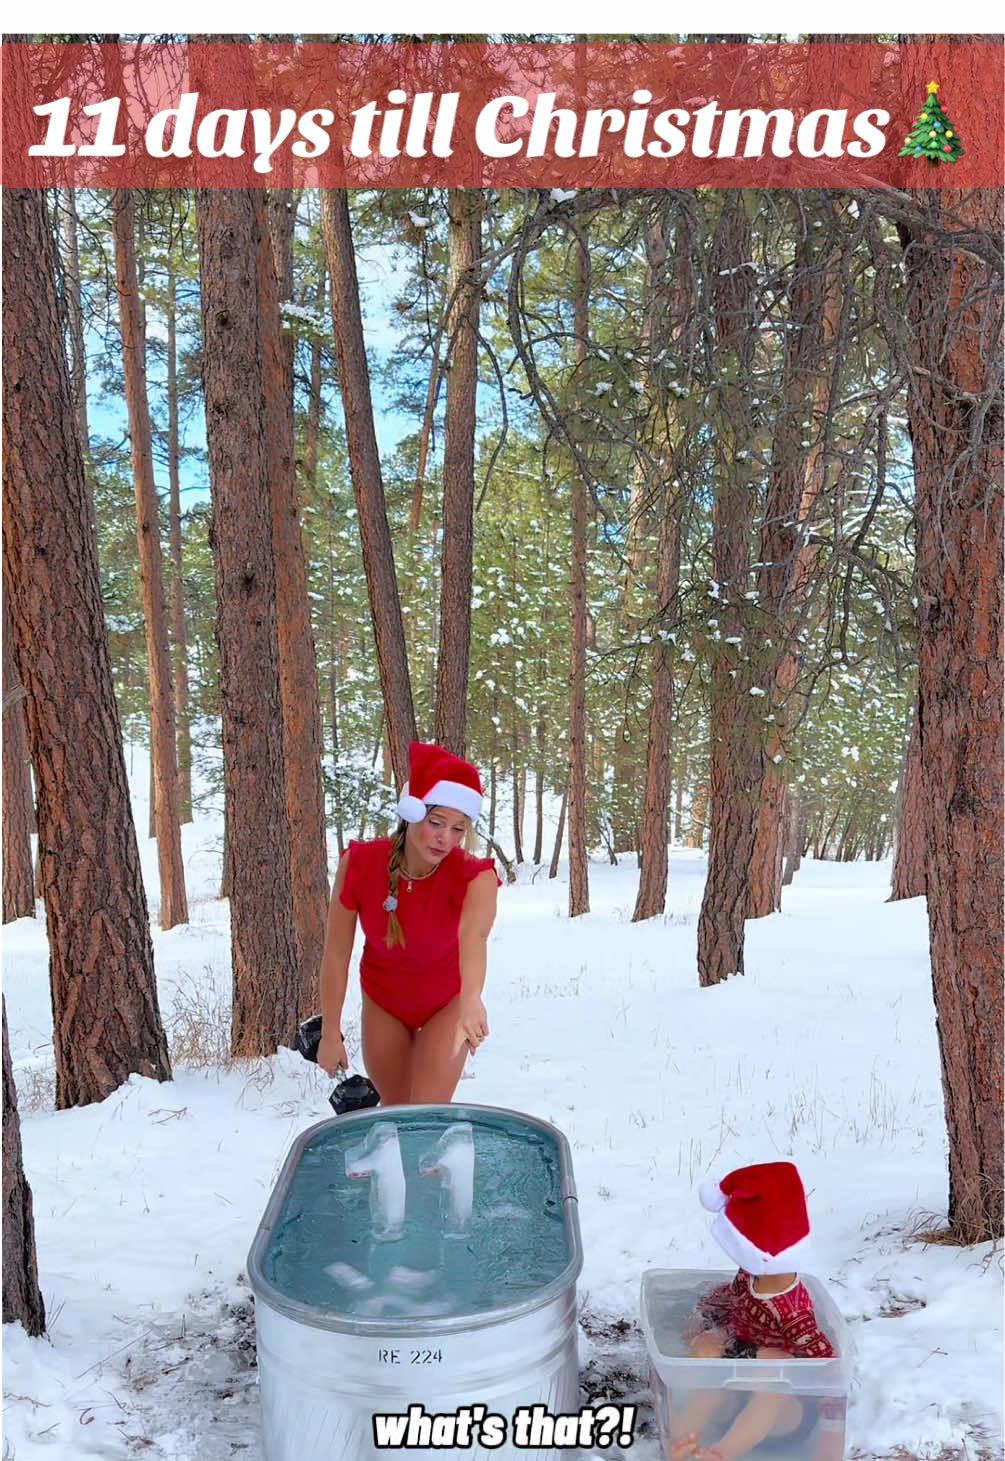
point(298, 666)
point(465, 210)
point(517, 811)
point(106, 1024)
point(364, 462)
point(164, 787)
point(75, 316)
point(797, 476)
point(559, 833)
point(18, 875)
point(909, 852)
point(651, 899)
point(735, 722)
point(579, 877)
point(22, 1297)
point(955, 415)
point(232, 233)
point(662, 330)
point(699, 816)
point(796, 834)
point(312, 433)
point(179, 633)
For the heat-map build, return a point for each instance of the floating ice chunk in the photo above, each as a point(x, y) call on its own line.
point(348, 1277)
point(411, 1280)
point(379, 1158)
point(453, 1160)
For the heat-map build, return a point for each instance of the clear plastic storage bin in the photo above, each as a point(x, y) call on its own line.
point(670, 1318)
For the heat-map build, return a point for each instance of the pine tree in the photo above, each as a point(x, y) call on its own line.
point(932, 135)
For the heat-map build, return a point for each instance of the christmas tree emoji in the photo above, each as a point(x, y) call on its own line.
point(933, 135)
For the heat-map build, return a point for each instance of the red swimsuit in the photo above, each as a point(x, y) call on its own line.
point(413, 982)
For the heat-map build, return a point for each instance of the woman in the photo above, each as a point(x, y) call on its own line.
point(427, 909)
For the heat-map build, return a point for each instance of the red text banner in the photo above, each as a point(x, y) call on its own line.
point(592, 115)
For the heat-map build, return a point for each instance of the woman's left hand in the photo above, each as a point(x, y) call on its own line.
point(472, 1024)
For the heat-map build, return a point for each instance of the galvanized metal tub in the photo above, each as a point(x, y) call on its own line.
point(324, 1372)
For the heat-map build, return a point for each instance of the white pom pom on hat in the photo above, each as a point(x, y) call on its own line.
point(438, 778)
point(410, 808)
point(711, 1195)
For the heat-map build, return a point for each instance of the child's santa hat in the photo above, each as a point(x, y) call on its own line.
point(436, 778)
point(760, 1217)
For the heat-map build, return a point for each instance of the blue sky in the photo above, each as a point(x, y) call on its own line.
point(377, 268)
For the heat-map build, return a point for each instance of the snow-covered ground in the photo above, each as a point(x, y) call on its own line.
point(825, 1052)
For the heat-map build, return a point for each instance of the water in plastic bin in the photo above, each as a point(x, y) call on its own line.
point(706, 1396)
point(420, 1218)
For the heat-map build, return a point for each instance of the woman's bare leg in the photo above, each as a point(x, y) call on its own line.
point(387, 1053)
point(435, 1068)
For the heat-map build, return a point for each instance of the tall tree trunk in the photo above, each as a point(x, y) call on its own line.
point(652, 893)
point(662, 330)
point(298, 666)
point(106, 1024)
point(368, 486)
point(465, 210)
point(910, 829)
point(579, 876)
point(312, 433)
point(955, 414)
point(699, 816)
point(164, 788)
point(18, 876)
point(179, 633)
point(333, 684)
point(797, 476)
point(517, 810)
point(426, 429)
point(232, 233)
point(75, 317)
point(559, 833)
point(735, 722)
point(796, 834)
point(22, 1297)
point(539, 748)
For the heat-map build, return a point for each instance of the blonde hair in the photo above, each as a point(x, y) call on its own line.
point(395, 938)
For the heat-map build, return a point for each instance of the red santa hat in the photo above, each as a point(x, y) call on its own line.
point(760, 1216)
point(436, 778)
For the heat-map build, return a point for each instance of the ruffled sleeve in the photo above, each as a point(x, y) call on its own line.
point(472, 866)
point(349, 896)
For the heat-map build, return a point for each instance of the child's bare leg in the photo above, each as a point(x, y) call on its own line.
point(686, 1428)
point(765, 1414)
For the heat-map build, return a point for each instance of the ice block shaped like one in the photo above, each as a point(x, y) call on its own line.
point(452, 1159)
point(379, 1157)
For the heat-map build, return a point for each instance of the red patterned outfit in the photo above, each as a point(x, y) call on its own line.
point(767, 1321)
point(413, 982)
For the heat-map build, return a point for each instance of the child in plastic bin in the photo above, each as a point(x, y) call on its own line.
point(765, 1313)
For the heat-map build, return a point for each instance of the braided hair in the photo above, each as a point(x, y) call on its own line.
point(395, 937)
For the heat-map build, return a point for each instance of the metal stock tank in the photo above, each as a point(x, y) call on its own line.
point(373, 1295)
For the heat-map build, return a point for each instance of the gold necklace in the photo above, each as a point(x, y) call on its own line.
point(419, 878)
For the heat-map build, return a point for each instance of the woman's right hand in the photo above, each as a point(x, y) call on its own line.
point(331, 1053)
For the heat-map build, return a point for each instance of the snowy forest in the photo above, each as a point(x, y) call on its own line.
point(678, 513)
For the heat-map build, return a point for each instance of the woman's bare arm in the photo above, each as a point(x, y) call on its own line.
point(477, 917)
point(340, 934)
